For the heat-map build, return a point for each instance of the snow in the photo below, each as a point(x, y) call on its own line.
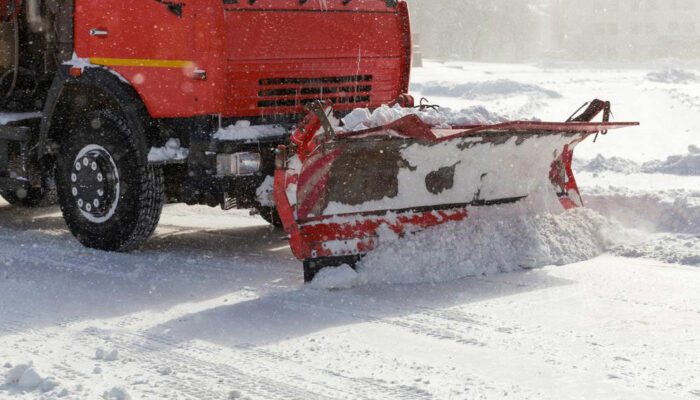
point(6, 118)
point(672, 76)
point(82, 63)
point(117, 393)
point(265, 192)
point(213, 306)
point(242, 130)
point(682, 164)
point(172, 151)
point(496, 239)
point(361, 118)
point(26, 377)
point(111, 355)
point(342, 277)
point(486, 89)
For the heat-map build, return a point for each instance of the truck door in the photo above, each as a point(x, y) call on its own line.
point(148, 42)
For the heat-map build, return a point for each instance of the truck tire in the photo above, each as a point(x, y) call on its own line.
point(110, 197)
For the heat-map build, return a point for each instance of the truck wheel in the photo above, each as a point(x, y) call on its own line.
point(110, 197)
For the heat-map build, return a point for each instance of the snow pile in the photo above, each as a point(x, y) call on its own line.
point(683, 164)
point(243, 130)
point(116, 393)
point(343, 277)
point(672, 76)
point(362, 118)
point(487, 243)
point(490, 241)
point(172, 151)
point(487, 89)
point(102, 354)
point(667, 247)
point(26, 377)
point(607, 164)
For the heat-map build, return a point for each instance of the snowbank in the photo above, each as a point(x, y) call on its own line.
point(243, 130)
point(607, 164)
point(486, 89)
point(676, 76)
point(363, 118)
point(172, 151)
point(684, 164)
point(675, 211)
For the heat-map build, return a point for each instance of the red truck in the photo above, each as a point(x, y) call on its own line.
point(94, 86)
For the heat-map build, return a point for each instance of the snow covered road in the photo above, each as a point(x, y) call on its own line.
point(192, 320)
point(213, 307)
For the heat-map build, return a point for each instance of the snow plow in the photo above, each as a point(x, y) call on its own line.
point(338, 191)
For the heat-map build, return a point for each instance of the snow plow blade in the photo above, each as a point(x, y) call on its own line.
point(337, 192)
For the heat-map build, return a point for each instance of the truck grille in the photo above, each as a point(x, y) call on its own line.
point(294, 92)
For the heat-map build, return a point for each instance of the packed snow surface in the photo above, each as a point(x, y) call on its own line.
point(212, 307)
point(243, 130)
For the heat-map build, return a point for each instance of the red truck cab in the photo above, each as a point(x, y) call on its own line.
point(249, 58)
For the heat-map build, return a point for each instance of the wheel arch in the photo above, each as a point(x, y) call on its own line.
point(96, 88)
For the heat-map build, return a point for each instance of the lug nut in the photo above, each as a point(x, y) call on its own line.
point(74, 191)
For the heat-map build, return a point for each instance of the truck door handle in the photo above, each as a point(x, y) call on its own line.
point(98, 32)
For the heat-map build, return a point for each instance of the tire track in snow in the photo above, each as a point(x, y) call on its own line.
point(314, 384)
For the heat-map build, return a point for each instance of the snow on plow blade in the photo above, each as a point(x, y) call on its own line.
point(337, 192)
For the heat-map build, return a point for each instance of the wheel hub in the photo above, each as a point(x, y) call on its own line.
point(94, 182)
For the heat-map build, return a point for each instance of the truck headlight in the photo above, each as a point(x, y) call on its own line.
point(238, 164)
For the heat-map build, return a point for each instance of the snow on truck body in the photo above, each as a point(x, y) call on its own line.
point(164, 99)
